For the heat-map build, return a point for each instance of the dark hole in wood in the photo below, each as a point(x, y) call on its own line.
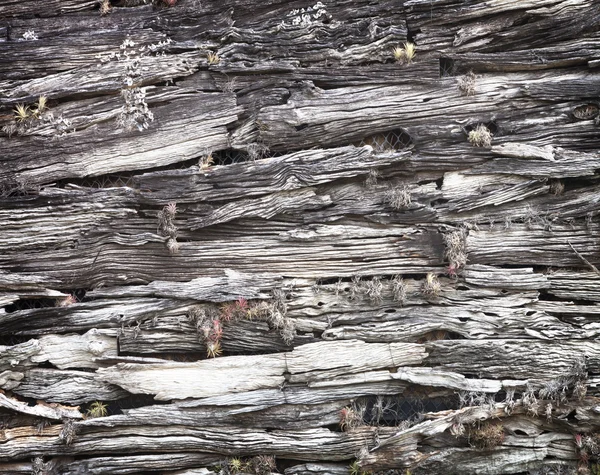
point(439, 201)
point(113, 180)
point(586, 111)
point(129, 179)
point(463, 319)
point(462, 287)
point(391, 410)
point(79, 294)
point(389, 310)
point(129, 402)
point(572, 417)
point(395, 139)
point(447, 67)
point(523, 20)
point(492, 126)
point(282, 464)
point(47, 364)
point(471, 376)
point(14, 188)
point(543, 294)
point(230, 156)
point(320, 304)
point(439, 183)
point(28, 304)
point(10, 339)
point(332, 281)
point(437, 335)
point(520, 432)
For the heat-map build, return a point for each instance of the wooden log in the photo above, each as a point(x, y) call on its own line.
point(66, 386)
point(49, 411)
point(309, 444)
point(246, 373)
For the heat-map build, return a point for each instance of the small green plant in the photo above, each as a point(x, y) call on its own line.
point(431, 285)
point(97, 409)
point(355, 469)
point(235, 465)
point(480, 136)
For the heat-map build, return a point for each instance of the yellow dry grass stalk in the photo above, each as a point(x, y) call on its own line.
point(213, 58)
point(22, 112)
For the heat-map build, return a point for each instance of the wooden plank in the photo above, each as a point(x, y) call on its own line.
point(66, 386)
point(210, 113)
point(245, 373)
point(49, 411)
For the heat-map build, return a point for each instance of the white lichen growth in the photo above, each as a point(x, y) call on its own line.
point(305, 17)
point(135, 112)
point(30, 35)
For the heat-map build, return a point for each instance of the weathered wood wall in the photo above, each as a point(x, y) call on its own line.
point(242, 230)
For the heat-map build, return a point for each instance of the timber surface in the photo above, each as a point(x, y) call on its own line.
point(298, 208)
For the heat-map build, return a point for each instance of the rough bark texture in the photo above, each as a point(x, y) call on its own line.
point(254, 237)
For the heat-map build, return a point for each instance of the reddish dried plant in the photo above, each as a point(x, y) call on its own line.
point(65, 302)
point(349, 418)
point(235, 310)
